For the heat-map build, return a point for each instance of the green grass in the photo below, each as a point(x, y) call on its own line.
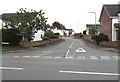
point(6, 47)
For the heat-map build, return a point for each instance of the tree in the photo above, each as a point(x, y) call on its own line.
point(93, 30)
point(84, 32)
point(12, 36)
point(59, 26)
point(28, 23)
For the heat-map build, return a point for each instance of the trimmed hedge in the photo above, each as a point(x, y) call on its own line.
point(12, 36)
point(99, 38)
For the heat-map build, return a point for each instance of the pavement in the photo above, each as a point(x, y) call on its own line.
point(96, 46)
point(66, 60)
point(23, 49)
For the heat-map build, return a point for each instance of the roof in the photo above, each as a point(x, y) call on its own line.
point(92, 25)
point(7, 16)
point(111, 9)
point(69, 29)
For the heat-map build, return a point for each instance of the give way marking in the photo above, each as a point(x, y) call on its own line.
point(80, 50)
point(90, 73)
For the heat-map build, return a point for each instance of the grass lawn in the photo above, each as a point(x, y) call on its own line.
point(6, 47)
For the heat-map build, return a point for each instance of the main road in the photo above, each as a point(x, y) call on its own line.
point(65, 60)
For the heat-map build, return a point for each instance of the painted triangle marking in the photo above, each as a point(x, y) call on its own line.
point(80, 50)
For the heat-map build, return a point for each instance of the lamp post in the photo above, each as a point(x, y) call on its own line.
point(95, 17)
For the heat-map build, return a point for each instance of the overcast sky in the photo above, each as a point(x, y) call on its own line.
point(71, 13)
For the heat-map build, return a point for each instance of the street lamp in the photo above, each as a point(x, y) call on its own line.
point(95, 17)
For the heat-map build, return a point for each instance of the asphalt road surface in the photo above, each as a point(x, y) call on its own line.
point(66, 60)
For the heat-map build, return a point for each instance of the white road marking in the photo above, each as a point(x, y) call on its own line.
point(47, 56)
point(35, 56)
point(11, 68)
point(57, 57)
point(81, 57)
point(93, 57)
point(91, 73)
point(26, 56)
point(105, 57)
point(115, 57)
point(16, 56)
point(71, 45)
point(67, 53)
point(69, 57)
point(80, 50)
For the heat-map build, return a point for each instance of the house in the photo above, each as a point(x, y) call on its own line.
point(6, 18)
point(92, 29)
point(55, 30)
point(63, 32)
point(68, 32)
point(110, 21)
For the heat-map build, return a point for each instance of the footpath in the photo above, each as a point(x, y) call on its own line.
point(96, 46)
point(23, 49)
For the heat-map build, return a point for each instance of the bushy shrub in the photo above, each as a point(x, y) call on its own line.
point(100, 37)
point(76, 34)
point(49, 34)
point(56, 35)
point(12, 36)
point(45, 38)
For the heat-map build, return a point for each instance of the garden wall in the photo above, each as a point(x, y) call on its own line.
point(110, 44)
point(88, 37)
point(37, 43)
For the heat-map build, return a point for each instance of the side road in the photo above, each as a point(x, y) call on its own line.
point(93, 45)
point(22, 49)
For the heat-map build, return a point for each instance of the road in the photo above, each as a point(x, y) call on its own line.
point(66, 60)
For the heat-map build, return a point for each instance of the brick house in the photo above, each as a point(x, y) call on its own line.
point(109, 20)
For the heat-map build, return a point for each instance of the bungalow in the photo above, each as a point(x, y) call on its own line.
point(5, 18)
point(110, 21)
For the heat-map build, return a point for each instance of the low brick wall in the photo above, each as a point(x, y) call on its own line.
point(37, 43)
point(76, 37)
point(88, 37)
point(110, 44)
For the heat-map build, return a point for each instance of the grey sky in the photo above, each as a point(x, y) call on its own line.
point(72, 13)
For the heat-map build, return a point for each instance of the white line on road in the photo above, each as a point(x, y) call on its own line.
point(80, 50)
point(67, 53)
point(71, 45)
point(91, 73)
point(11, 68)
point(57, 57)
point(36, 56)
point(26, 56)
point(105, 57)
point(16, 56)
point(93, 57)
point(47, 56)
point(69, 57)
point(81, 57)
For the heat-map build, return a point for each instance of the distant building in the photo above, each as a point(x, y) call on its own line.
point(68, 32)
point(92, 29)
point(110, 21)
